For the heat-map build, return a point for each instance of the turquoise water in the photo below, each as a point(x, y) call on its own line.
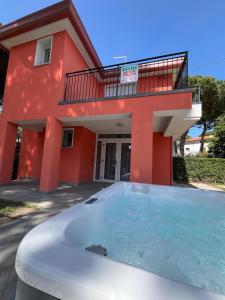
point(180, 239)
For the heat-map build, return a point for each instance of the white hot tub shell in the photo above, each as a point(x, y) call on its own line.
point(47, 262)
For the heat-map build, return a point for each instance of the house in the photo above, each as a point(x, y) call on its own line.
point(83, 121)
point(192, 145)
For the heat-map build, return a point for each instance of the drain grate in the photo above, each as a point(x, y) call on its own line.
point(90, 201)
point(98, 249)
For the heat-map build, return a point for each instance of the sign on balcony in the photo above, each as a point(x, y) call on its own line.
point(129, 74)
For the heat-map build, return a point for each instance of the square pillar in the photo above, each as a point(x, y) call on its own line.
point(51, 155)
point(142, 146)
point(162, 159)
point(7, 150)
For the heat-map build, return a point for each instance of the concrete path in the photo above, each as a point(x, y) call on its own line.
point(204, 186)
point(28, 190)
point(198, 185)
point(12, 233)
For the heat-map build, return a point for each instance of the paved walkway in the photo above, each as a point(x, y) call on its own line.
point(12, 233)
point(204, 186)
point(198, 185)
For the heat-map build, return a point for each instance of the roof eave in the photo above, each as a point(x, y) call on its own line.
point(56, 12)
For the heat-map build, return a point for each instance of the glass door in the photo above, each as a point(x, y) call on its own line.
point(125, 161)
point(110, 161)
point(107, 161)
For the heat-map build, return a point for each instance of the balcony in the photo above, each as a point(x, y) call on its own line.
point(151, 76)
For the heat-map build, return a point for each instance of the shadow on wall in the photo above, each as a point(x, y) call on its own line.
point(180, 173)
point(30, 159)
point(34, 87)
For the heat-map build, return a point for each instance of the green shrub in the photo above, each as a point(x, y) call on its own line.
point(199, 168)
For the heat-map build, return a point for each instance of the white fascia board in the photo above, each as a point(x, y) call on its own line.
point(181, 122)
point(47, 30)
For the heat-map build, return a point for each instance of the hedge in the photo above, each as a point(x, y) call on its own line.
point(193, 168)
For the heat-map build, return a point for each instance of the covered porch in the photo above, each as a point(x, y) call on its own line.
point(133, 146)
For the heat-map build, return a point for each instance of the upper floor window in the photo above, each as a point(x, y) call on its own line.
point(43, 51)
point(114, 90)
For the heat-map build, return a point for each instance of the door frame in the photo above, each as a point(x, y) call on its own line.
point(119, 142)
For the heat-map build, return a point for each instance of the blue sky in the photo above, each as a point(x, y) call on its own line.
point(145, 28)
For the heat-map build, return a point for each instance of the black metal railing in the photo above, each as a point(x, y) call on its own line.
point(153, 75)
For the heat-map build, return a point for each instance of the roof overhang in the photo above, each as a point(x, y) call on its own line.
point(2, 48)
point(55, 18)
point(172, 123)
point(175, 122)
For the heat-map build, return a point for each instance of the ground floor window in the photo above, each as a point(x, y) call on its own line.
point(68, 134)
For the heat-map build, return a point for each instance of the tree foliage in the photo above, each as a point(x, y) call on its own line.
point(213, 102)
point(217, 144)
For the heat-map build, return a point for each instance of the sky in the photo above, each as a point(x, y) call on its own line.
point(145, 28)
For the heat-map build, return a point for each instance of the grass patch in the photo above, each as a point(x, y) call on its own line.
point(10, 208)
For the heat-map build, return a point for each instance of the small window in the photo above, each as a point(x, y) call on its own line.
point(113, 90)
point(68, 138)
point(43, 51)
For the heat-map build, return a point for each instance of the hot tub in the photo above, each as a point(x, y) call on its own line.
point(161, 243)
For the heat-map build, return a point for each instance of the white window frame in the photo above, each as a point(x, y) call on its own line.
point(36, 64)
point(123, 89)
point(68, 147)
point(119, 142)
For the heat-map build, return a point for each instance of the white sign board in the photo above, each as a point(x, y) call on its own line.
point(129, 74)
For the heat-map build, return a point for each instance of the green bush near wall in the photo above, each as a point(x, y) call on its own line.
point(199, 168)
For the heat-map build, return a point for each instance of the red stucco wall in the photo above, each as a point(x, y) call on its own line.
point(162, 156)
point(31, 154)
point(34, 90)
point(77, 163)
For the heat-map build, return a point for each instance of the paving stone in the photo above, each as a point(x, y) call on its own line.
point(10, 291)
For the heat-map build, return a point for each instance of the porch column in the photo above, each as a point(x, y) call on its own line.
point(51, 155)
point(7, 150)
point(142, 146)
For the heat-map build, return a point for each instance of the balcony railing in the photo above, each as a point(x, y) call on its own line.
point(152, 75)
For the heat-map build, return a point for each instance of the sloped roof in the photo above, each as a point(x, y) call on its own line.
point(197, 139)
point(51, 14)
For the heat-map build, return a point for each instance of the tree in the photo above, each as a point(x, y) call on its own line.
point(208, 133)
point(213, 102)
point(182, 143)
point(217, 144)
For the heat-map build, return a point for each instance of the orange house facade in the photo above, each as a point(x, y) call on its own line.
point(83, 121)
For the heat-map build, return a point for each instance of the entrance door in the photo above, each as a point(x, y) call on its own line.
point(125, 161)
point(114, 162)
point(110, 164)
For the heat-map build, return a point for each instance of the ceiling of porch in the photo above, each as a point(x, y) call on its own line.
point(171, 122)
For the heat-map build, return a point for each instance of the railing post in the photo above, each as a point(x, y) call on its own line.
point(117, 84)
point(187, 69)
point(65, 88)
